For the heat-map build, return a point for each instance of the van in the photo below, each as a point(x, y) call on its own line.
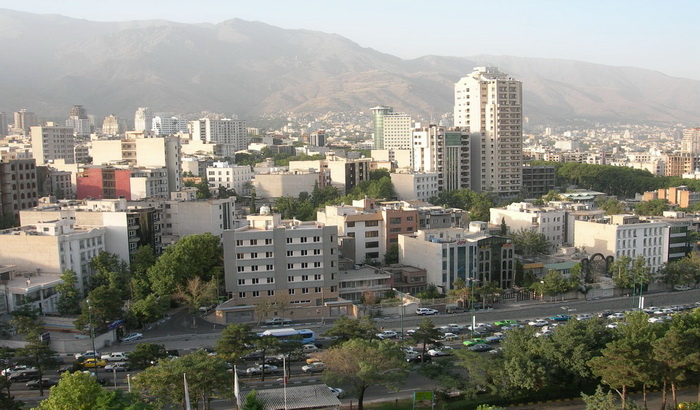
point(309, 348)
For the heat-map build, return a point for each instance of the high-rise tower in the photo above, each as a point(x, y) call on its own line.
point(489, 104)
point(379, 112)
point(143, 120)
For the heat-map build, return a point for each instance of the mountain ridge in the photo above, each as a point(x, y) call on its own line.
point(252, 68)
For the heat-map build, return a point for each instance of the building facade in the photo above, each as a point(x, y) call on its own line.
point(51, 142)
point(548, 221)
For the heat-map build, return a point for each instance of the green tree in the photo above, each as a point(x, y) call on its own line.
point(378, 174)
point(120, 400)
point(462, 290)
point(600, 400)
point(252, 402)
point(110, 271)
point(234, 343)
point(530, 243)
point(504, 227)
point(148, 310)
point(69, 295)
point(346, 328)
point(77, 391)
point(653, 207)
point(195, 294)
point(206, 379)
point(392, 254)
point(190, 257)
point(365, 363)
point(611, 206)
point(140, 286)
point(266, 345)
point(426, 334)
point(430, 292)
point(612, 367)
point(145, 354)
point(554, 284)
point(105, 306)
point(552, 195)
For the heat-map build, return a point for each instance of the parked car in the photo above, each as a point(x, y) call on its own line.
point(449, 337)
point(538, 323)
point(278, 321)
point(475, 341)
point(45, 383)
point(316, 367)
point(17, 368)
point(417, 358)
point(115, 357)
point(259, 369)
point(439, 352)
point(117, 367)
point(481, 347)
point(605, 313)
point(309, 348)
point(454, 328)
point(426, 311)
point(584, 316)
point(132, 336)
point(616, 316)
point(681, 287)
point(93, 362)
point(505, 322)
point(87, 355)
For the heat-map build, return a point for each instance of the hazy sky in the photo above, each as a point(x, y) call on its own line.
point(660, 35)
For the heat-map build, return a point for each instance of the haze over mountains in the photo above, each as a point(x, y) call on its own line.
point(250, 68)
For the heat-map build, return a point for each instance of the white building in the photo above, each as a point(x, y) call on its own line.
point(360, 231)
point(547, 221)
point(236, 177)
point(149, 183)
point(33, 288)
point(143, 120)
point(415, 185)
point(489, 104)
point(163, 125)
point(229, 135)
point(52, 247)
point(625, 235)
point(446, 152)
point(279, 184)
point(51, 142)
point(397, 131)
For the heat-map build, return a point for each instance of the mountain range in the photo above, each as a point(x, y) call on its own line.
point(248, 68)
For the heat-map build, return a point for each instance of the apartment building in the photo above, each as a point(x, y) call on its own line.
point(51, 142)
point(445, 152)
point(361, 229)
point(415, 185)
point(229, 135)
point(229, 176)
point(273, 259)
point(547, 221)
point(18, 186)
point(680, 196)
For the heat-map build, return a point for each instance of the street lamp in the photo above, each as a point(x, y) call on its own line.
point(403, 307)
point(471, 282)
point(92, 337)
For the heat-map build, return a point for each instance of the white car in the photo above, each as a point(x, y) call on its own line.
point(426, 311)
point(442, 351)
point(87, 355)
point(337, 391)
point(538, 323)
point(455, 327)
point(115, 357)
point(117, 367)
point(616, 316)
point(681, 288)
point(315, 367)
point(132, 336)
point(268, 369)
point(584, 316)
point(387, 334)
point(278, 321)
point(449, 337)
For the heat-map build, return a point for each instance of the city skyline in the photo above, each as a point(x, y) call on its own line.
point(623, 33)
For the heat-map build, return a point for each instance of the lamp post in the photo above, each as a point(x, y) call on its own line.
point(92, 337)
point(471, 282)
point(403, 307)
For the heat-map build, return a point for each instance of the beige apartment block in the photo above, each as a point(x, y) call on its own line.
point(51, 142)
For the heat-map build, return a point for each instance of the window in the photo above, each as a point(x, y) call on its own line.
point(241, 295)
point(256, 294)
point(291, 291)
point(372, 245)
point(394, 221)
point(351, 224)
point(290, 253)
point(371, 234)
point(317, 290)
point(255, 281)
point(290, 266)
point(239, 256)
point(332, 264)
point(270, 280)
point(268, 254)
point(317, 251)
point(317, 239)
point(290, 278)
point(394, 230)
point(332, 251)
point(254, 268)
point(239, 243)
point(241, 281)
point(268, 241)
point(409, 218)
point(253, 241)
point(304, 265)
point(270, 293)
point(317, 264)
point(372, 223)
point(241, 268)
point(304, 290)
point(253, 255)
point(304, 277)
point(289, 240)
point(304, 252)
point(269, 267)
point(303, 239)
point(317, 277)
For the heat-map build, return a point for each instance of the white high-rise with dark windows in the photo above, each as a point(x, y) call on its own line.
point(489, 104)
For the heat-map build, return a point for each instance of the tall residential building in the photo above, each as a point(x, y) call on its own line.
point(79, 121)
point(24, 120)
point(380, 112)
point(51, 142)
point(4, 126)
point(445, 151)
point(143, 120)
point(544, 220)
point(113, 125)
point(318, 138)
point(397, 131)
point(18, 186)
point(488, 103)
point(236, 177)
point(164, 125)
point(274, 260)
point(229, 135)
point(691, 141)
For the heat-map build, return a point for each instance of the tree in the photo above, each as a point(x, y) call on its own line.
point(430, 292)
point(197, 293)
point(110, 271)
point(552, 195)
point(120, 400)
point(392, 255)
point(36, 352)
point(69, 295)
point(234, 343)
point(206, 378)
point(7, 400)
point(425, 334)
point(145, 354)
point(462, 290)
point(346, 328)
point(190, 257)
point(612, 368)
point(611, 206)
point(78, 391)
point(252, 402)
point(653, 207)
point(105, 306)
point(530, 243)
point(504, 227)
point(265, 345)
point(140, 286)
point(378, 174)
point(364, 363)
point(148, 310)
point(554, 283)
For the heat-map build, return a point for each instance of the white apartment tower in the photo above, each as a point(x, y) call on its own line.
point(445, 152)
point(143, 120)
point(229, 135)
point(51, 142)
point(488, 103)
